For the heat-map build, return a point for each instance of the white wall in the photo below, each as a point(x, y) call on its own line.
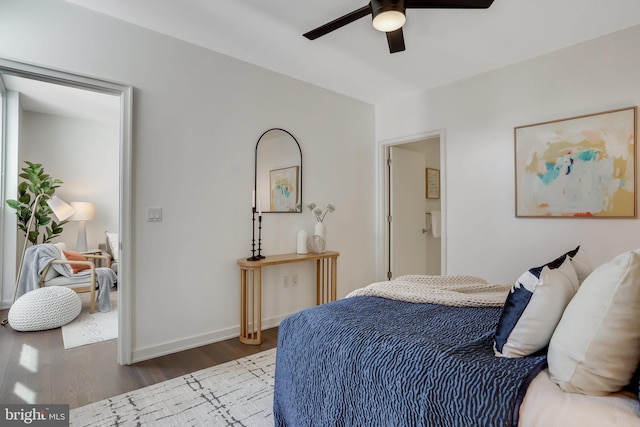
point(84, 155)
point(197, 116)
point(479, 114)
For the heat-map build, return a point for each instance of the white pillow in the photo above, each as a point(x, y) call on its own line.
point(596, 347)
point(581, 263)
point(112, 241)
point(534, 307)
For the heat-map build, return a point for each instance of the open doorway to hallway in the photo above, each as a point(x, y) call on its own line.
point(414, 207)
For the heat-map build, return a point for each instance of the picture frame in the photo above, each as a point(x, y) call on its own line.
point(578, 167)
point(432, 183)
point(283, 185)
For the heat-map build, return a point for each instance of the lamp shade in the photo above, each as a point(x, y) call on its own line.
point(60, 208)
point(84, 211)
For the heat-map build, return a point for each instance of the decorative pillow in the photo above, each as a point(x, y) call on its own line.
point(596, 347)
point(534, 307)
point(112, 241)
point(75, 256)
point(634, 385)
point(581, 263)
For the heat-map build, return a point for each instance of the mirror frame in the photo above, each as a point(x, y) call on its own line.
point(255, 171)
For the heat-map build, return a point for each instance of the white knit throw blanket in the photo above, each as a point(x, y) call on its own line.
point(456, 291)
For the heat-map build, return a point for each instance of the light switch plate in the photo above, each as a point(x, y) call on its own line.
point(154, 214)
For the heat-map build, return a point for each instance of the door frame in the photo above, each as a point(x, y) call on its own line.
point(383, 201)
point(125, 92)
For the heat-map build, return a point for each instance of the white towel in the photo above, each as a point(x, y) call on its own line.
point(435, 223)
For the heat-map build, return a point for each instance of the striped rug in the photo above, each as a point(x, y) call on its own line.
point(237, 393)
point(92, 328)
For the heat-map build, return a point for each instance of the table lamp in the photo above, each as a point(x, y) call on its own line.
point(84, 211)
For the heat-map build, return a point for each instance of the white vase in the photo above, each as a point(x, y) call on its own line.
point(321, 230)
point(301, 242)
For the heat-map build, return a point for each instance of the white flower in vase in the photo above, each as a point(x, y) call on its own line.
point(320, 229)
point(318, 212)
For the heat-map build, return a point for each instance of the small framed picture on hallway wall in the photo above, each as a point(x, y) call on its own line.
point(433, 183)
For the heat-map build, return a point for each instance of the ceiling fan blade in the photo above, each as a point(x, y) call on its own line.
point(447, 4)
point(395, 40)
point(337, 23)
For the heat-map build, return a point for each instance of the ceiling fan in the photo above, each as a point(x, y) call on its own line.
point(389, 17)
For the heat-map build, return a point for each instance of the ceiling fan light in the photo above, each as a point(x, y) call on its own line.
point(389, 20)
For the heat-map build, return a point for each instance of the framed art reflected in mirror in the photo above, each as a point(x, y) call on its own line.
point(284, 189)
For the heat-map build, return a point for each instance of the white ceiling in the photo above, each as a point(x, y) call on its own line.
point(442, 45)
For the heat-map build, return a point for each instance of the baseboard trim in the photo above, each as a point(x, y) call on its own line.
point(170, 347)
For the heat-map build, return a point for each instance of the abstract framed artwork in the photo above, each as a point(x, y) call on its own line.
point(433, 183)
point(284, 189)
point(581, 166)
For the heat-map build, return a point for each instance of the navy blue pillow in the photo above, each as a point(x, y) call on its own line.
point(634, 385)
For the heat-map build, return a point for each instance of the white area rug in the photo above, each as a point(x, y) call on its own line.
point(237, 393)
point(92, 328)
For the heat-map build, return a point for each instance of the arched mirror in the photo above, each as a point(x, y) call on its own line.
point(278, 172)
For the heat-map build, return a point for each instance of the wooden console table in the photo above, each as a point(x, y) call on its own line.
point(251, 288)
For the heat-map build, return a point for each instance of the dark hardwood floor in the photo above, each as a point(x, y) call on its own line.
point(35, 367)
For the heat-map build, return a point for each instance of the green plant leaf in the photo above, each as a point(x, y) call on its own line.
point(36, 182)
point(33, 237)
point(44, 220)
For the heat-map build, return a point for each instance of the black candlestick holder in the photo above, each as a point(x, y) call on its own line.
point(260, 237)
point(254, 257)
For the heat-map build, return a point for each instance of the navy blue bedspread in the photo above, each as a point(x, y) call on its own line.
point(368, 361)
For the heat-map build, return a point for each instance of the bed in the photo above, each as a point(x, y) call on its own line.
point(398, 356)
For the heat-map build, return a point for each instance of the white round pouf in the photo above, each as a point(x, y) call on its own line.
point(44, 308)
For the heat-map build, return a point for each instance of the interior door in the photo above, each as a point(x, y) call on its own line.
point(408, 242)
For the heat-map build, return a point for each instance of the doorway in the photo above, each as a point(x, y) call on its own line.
point(57, 79)
point(413, 216)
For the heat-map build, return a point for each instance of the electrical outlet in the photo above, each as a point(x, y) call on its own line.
point(286, 281)
point(294, 280)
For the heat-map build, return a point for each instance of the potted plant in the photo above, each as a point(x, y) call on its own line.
point(36, 182)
